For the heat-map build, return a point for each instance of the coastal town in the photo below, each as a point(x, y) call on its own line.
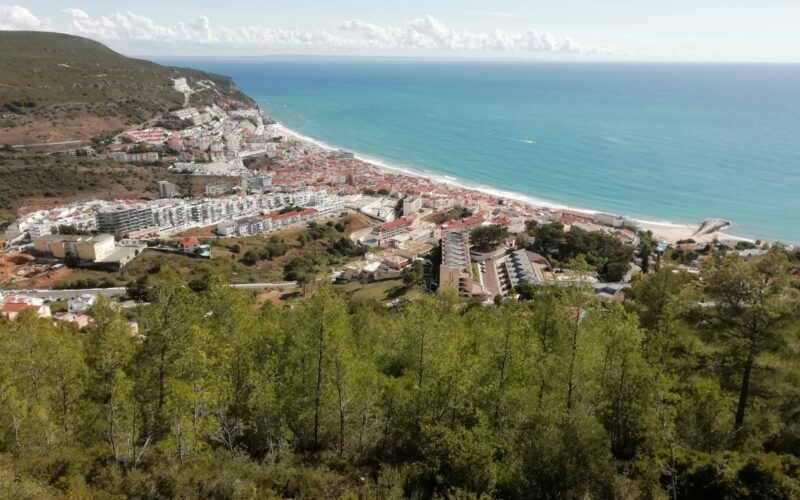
point(198, 301)
point(264, 179)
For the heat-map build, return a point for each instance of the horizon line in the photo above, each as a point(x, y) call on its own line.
point(474, 58)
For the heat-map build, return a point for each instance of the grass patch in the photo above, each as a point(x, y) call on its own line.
point(227, 262)
point(58, 306)
point(443, 216)
point(150, 262)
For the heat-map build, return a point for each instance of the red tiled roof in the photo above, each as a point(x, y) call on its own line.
point(189, 241)
point(394, 224)
point(15, 307)
point(474, 220)
point(285, 216)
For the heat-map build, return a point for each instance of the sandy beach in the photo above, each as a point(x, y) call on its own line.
point(664, 231)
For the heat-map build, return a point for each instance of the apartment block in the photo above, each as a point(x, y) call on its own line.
point(167, 189)
point(121, 219)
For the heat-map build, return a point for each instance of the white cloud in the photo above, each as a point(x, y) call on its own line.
point(17, 17)
point(128, 26)
point(423, 34)
point(430, 33)
point(497, 14)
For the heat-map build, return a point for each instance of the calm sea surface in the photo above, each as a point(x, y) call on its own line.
point(665, 142)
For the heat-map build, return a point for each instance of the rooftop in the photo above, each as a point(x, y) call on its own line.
point(455, 249)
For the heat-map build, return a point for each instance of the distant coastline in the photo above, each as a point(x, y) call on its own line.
point(668, 230)
point(661, 145)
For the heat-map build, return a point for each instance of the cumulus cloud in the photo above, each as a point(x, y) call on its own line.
point(432, 34)
point(17, 17)
point(426, 33)
point(128, 26)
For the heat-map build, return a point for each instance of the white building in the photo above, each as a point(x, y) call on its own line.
point(411, 205)
point(81, 304)
point(608, 220)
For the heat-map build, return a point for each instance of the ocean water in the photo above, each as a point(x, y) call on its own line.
point(663, 142)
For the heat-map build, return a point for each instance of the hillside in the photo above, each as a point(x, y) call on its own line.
point(34, 181)
point(57, 87)
point(659, 397)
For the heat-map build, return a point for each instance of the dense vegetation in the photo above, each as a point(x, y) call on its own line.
point(331, 248)
point(603, 252)
point(689, 390)
point(488, 237)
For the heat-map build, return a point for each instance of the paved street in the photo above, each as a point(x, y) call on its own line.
point(120, 290)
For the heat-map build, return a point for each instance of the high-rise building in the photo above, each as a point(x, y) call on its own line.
point(167, 189)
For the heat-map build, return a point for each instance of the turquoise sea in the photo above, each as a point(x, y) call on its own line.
point(662, 142)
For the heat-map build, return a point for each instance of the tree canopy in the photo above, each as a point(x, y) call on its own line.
point(604, 252)
point(688, 390)
point(489, 236)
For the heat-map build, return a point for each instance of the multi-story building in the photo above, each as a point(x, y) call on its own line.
point(247, 226)
point(455, 272)
point(520, 270)
point(257, 183)
point(45, 222)
point(171, 216)
point(289, 218)
point(411, 205)
point(122, 218)
point(389, 229)
point(149, 218)
point(86, 248)
point(39, 229)
point(442, 202)
point(99, 251)
point(166, 189)
point(329, 204)
point(217, 188)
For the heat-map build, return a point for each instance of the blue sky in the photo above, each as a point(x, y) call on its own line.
point(677, 30)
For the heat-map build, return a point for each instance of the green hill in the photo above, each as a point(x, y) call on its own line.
point(62, 87)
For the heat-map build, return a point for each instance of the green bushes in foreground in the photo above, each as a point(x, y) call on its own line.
point(689, 390)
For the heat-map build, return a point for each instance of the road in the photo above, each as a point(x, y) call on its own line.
point(43, 144)
point(120, 290)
